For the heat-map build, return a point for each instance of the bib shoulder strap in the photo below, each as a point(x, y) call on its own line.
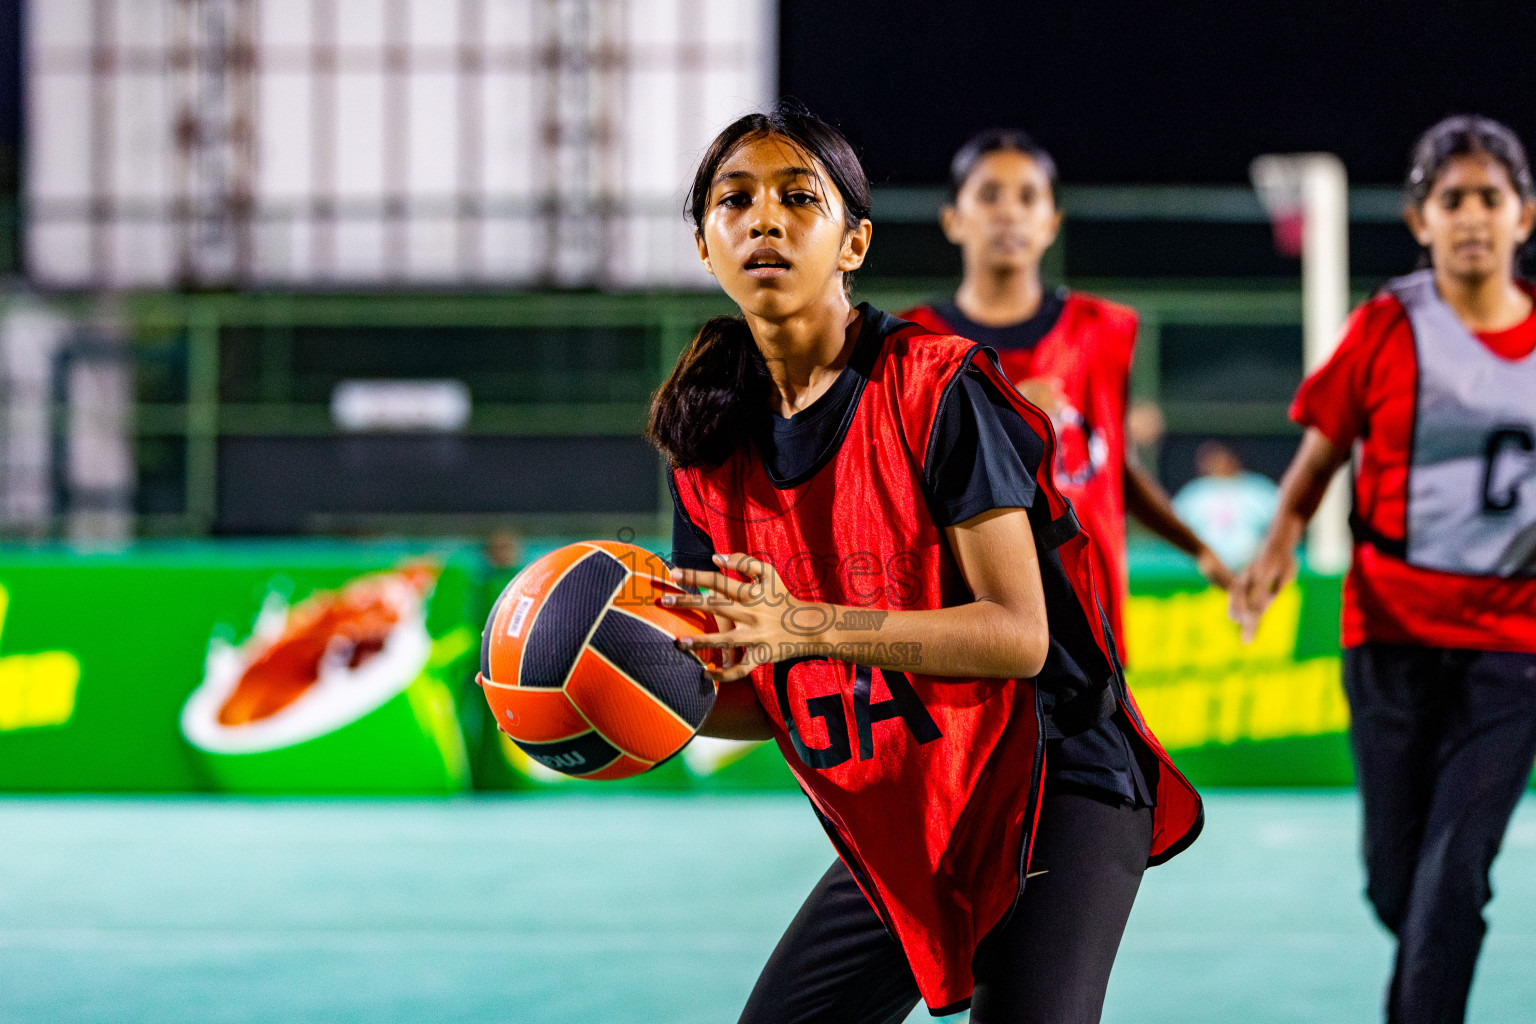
point(1415, 291)
point(1059, 530)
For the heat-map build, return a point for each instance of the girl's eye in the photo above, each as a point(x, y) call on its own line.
point(734, 199)
point(801, 199)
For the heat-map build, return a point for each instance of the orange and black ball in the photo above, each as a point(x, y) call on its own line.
point(581, 668)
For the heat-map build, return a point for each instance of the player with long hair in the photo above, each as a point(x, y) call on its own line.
point(1433, 386)
point(908, 608)
point(1068, 352)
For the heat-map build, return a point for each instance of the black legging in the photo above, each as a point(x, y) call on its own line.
point(836, 964)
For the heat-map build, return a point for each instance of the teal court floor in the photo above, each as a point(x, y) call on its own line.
point(654, 910)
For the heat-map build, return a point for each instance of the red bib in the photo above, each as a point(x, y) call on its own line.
point(928, 786)
point(1089, 351)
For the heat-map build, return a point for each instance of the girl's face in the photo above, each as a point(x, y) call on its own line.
point(1005, 216)
point(1473, 219)
point(774, 234)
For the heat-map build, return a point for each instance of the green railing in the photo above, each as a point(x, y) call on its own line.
point(201, 325)
point(195, 332)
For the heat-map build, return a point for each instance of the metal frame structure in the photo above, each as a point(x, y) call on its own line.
point(213, 57)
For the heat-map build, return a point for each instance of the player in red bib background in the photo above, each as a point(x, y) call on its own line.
point(1433, 389)
point(909, 609)
point(1068, 352)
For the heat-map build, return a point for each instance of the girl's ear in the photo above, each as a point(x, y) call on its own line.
point(698, 239)
point(1055, 226)
point(947, 223)
point(855, 247)
point(1527, 220)
point(1414, 218)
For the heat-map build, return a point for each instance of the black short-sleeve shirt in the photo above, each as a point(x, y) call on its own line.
point(1025, 334)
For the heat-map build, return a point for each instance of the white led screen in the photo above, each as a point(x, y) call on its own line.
point(377, 143)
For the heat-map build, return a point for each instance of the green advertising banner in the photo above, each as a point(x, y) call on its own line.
point(348, 668)
point(237, 668)
point(1269, 713)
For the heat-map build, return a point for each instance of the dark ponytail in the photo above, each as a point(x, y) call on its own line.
point(720, 387)
point(706, 408)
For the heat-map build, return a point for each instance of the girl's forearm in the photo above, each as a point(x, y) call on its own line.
point(1000, 634)
point(1302, 488)
point(981, 639)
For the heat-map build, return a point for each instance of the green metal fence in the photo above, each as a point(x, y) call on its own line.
point(200, 327)
point(222, 365)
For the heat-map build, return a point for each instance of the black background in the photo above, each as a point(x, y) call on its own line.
point(1156, 92)
point(1121, 91)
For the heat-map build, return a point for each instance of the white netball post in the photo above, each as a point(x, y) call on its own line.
point(1307, 198)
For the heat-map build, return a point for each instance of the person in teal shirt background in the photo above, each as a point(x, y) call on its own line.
point(1227, 506)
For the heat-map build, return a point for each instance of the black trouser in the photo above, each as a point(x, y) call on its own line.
point(1444, 741)
point(1050, 963)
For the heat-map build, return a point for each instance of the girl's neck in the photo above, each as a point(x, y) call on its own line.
point(806, 351)
point(1494, 303)
point(1000, 297)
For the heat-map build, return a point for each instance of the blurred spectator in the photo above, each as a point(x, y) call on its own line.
point(1144, 424)
point(1227, 506)
point(1144, 427)
point(503, 549)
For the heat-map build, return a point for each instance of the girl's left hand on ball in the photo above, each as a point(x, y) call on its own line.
point(763, 619)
